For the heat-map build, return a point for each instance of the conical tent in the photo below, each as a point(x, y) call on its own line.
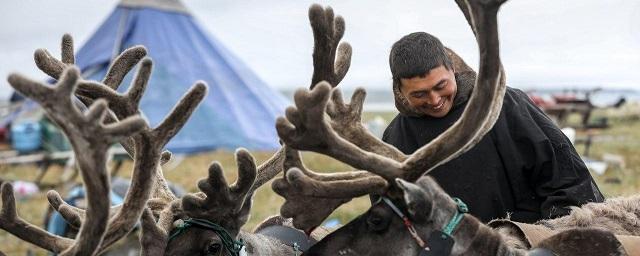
point(239, 110)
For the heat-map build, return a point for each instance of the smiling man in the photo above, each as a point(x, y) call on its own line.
point(524, 168)
point(431, 93)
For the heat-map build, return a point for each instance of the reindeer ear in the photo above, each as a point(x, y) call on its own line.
point(417, 201)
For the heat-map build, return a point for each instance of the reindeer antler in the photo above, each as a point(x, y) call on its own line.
point(307, 200)
point(116, 73)
point(307, 128)
point(307, 204)
point(144, 147)
point(485, 103)
point(219, 200)
point(327, 32)
point(90, 139)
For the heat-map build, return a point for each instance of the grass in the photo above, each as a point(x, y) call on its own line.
point(623, 138)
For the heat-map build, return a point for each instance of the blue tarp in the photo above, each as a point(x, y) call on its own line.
point(239, 110)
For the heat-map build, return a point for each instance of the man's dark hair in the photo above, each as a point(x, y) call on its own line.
point(415, 54)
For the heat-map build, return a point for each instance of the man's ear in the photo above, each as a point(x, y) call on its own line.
point(418, 204)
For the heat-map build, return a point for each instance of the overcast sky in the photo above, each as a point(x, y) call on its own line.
point(544, 43)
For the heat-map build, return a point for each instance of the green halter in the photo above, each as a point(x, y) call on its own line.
point(232, 246)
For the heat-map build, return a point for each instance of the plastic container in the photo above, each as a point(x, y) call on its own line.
point(53, 138)
point(26, 136)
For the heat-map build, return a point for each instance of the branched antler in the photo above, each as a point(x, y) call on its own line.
point(306, 201)
point(12, 223)
point(120, 67)
point(305, 189)
point(144, 147)
point(485, 103)
point(304, 193)
point(346, 120)
point(218, 202)
point(341, 135)
point(90, 139)
point(306, 127)
point(331, 59)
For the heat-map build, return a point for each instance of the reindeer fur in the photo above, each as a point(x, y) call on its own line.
point(620, 216)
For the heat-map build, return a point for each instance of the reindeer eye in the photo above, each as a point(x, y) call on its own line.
point(377, 223)
point(213, 249)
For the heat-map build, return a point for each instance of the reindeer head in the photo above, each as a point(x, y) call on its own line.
point(217, 213)
point(207, 223)
point(424, 203)
point(396, 178)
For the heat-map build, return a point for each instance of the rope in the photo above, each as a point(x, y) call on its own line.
point(448, 229)
point(407, 223)
point(232, 246)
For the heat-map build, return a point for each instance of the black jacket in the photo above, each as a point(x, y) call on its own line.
point(524, 167)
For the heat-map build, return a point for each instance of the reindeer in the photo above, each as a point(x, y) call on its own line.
point(203, 223)
point(413, 215)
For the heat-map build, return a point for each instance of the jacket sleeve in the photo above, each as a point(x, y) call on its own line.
point(555, 171)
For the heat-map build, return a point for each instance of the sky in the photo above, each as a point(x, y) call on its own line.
point(543, 43)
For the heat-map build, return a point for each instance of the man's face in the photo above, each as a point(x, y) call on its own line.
point(433, 93)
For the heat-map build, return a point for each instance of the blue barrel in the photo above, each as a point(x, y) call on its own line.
point(26, 136)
